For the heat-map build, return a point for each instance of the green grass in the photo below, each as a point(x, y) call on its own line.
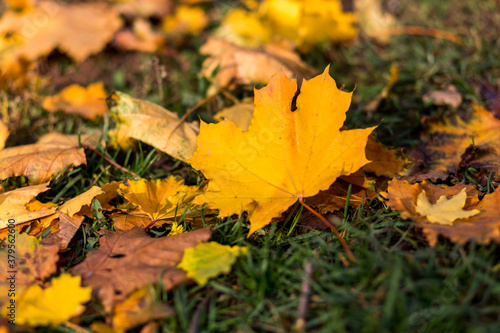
point(400, 284)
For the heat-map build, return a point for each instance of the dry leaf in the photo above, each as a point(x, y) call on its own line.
point(144, 8)
point(128, 260)
point(483, 227)
point(13, 205)
point(34, 262)
point(72, 140)
point(142, 38)
point(49, 25)
point(4, 134)
point(63, 233)
point(444, 211)
point(284, 155)
point(384, 160)
point(130, 221)
point(139, 308)
point(88, 102)
point(152, 124)
point(52, 306)
point(454, 143)
point(207, 260)
point(450, 97)
point(38, 162)
point(237, 65)
point(240, 114)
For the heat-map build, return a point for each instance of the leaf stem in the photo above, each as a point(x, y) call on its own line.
point(347, 249)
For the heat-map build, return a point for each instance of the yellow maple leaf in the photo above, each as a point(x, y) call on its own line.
point(208, 260)
point(52, 306)
point(159, 199)
point(88, 102)
point(445, 210)
point(284, 155)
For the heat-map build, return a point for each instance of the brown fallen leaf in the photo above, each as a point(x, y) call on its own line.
point(130, 221)
point(141, 37)
point(453, 143)
point(38, 162)
point(64, 231)
point(386, 161)
point(372, 20)
point(34, 262)
point(150, 123)
point(450, 96)
point(483, 227)
point(72, 140)
point(128, 260)
point(145, 8)
point(88, 102)
point(49, 25)
point(237, 65)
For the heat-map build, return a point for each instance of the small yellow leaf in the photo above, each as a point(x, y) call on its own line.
point(185, 20)
point(88, 102)
point(444, 211)
point(52, 306)
point(159, 199)
point(207, 260)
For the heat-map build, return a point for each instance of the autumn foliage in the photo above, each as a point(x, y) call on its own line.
point(270, 135)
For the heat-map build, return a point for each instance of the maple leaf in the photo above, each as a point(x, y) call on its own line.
point(240, 114)
point(238, 65)
point(88, 102)
point(38, 162)
point(483, 227)
point(152, 124)
point(159, 199)
point(128, 260)
point(62, 233)
point(72, 140)
point(52, 306)
point(208, 260)
point(63, 26)
point(284, 155)
point(444, 211)
point(453, 143)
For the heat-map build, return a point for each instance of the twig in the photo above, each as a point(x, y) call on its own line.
point(110, 161)
point(305, 290)
point(422, 31)
point(195, 320)
point(74, 327)
point(347, 249)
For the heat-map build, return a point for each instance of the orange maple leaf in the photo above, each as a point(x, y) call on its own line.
point(284, 155)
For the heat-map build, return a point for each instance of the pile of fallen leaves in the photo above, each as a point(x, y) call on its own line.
point(289, 144)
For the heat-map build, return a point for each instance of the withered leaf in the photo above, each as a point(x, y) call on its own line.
point(128, 260)
point(483, 227)
point(38, 162)
point(453, 143)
